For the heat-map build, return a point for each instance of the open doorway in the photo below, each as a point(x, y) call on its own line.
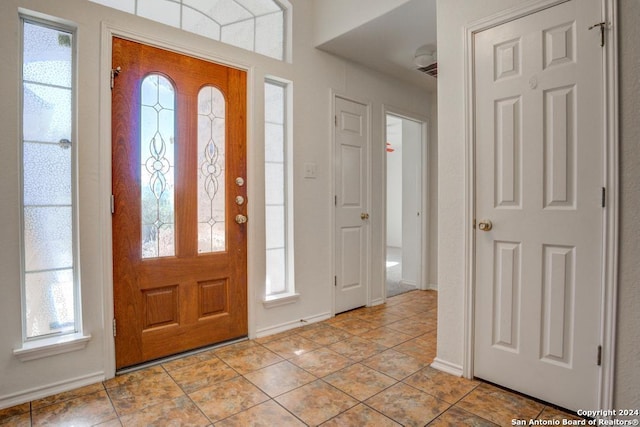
point(404, 204)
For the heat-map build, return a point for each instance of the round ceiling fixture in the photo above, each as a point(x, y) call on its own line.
point(425, 55)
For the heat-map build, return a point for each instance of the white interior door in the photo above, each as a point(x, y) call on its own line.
point(539, 178)
point(351, 204)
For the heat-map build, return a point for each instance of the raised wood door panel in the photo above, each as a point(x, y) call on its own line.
point(539, 173)
point(186, 298)
point(351, 139)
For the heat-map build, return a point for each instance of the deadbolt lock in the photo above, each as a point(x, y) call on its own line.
point(239, 200)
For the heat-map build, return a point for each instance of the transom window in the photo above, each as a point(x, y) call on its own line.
point(256, 25)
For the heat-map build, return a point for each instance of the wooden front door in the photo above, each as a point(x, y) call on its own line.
point(179, 240)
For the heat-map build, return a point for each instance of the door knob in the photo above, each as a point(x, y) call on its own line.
point(364, 216)
point(241, 219)
point(239, 200)
point(485, 225)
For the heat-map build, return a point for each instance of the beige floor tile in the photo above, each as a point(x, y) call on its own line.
point(149, 391)
point(19, 420)
point(407, 405)
point(412, 326)
point(228, 398)
point(291, 346)
point(354, 326)
point(499, 406)
point(441, 385)
point(357, 349)
point(321, 362)
point(417, 348)
point(183, 362)
point(360, 416)
point(134, 377)
point(395, 364)
point(202, 374)
point(360, 381)
point(267, 414)
point(326, 335)
point(456, 417)
point(386, 336)
point(279, 378)
point(86, 410)
point(12, 411)
point(177, 412)
point(111, 423)
point(316, 402)
point(549, 413)
point(249, 359)
point(61, 397)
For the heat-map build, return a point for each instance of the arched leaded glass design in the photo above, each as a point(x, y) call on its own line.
point(211, 172)
point(256, 25)
point(157, 134)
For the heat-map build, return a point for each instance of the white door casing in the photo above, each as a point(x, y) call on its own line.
point(539, 131)
point(351, 204)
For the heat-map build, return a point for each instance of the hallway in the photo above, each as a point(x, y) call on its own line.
point(365, 367)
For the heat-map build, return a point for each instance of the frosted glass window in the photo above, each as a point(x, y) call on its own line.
point(256, 25)
point(157, 137)
point(277, 225)
point(211, 172)
point(50, 303)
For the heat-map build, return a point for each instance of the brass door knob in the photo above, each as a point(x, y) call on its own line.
point(364, 216)
point(485, 225)
point(241, 219)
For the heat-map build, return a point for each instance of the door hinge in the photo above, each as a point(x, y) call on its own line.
point(602, 26)
point(335, 281)
point(335, 120)
point(114, 74)
point(113, 204)
point(114, 326)
point(604, 197)
point(335, 200)
point(599, 361)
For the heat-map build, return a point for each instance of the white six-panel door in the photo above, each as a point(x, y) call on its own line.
point(351, 204)
point(539, 177)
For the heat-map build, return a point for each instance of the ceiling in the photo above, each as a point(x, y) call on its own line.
point(389, 42)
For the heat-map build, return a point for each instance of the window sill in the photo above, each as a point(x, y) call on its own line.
point(278, 300)
point(51, 346)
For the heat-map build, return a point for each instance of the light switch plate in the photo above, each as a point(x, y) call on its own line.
point(310, 170)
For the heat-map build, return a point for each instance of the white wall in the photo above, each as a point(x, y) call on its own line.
point(627, 379)
point(314, 73)
point(332, 18)
point(453, 15)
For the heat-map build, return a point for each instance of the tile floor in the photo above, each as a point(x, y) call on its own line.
point(368, 367)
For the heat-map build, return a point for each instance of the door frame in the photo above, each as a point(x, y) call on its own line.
point(108, 31)
point(334, 96)
point(425, 218)
point(611, 168)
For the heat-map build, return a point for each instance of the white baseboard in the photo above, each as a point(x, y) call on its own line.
point(408, 283)
point(432, 286)
point(377, 301)
point(448, 367)
point(291, 325)
point(49, 390)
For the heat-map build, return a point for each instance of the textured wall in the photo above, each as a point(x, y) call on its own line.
point(627, 385)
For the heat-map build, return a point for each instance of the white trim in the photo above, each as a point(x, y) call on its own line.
point(432, 287)
point(10, 400)
point(448, 367)
point(110, 30)
point(271, 330)
point(377, 301)
point(610, 242)
point(279, 300)
point(38, 349)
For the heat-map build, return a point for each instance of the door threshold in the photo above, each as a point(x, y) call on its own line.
point(129, 369)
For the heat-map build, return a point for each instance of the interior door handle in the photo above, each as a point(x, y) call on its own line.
point(241, 219)
point(485, 225)
point(364, 216)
